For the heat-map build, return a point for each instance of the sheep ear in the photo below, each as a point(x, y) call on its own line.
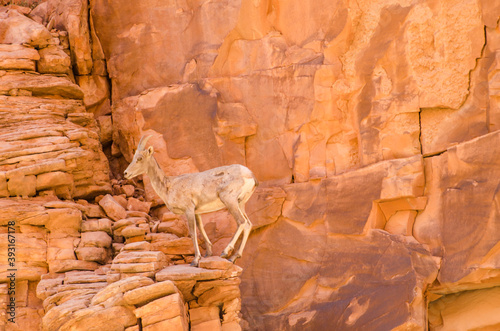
point(150, 150)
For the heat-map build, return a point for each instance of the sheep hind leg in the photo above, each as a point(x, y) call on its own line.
point(234, 210)
point(230, 247)
point(247, 228)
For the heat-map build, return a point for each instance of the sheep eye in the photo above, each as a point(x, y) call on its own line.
point(139, 159)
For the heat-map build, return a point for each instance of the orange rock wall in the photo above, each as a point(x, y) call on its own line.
point(373, 127)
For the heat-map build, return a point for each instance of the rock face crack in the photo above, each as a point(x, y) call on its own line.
point(420, 130)
point(474, 69)
point(434, 154)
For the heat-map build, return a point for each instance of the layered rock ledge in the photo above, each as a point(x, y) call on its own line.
point(174, 298)
point(80, 265)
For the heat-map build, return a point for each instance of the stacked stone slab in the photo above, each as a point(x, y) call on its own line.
point(53, 150)
point(130, 224)
point(89, 302)
point(211, 291)
point(96, 240)
point(50, 143)
point(165, 313)
point(179, 250)
point(182, 298)
point(172, 238)
point(60, 247)
point(134, 229)
point(85, 51)
point(132, 260)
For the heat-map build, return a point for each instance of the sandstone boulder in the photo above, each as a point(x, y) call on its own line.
point(175, 226)
point(71, 17)
point(145, 294)
point(218, 295)
point(165, 309)
point(95, 89)
point(134, 204)
point(112, 208)
point(203, 314)
point(185, 272)
point(134, 231)
point(215, 262)
point(18, 57)
point(112, 318)
point(180, 246)
point(137, 246)
point(82, 277)
point(59, 266)
point(95, 239)
point(103, 224)
point(53, 60)
point(39, 85)
point(19, 29)
point(467, 310)
point(119, 287)
point(139, 262)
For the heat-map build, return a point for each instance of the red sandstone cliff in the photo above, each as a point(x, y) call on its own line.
point(373, 127)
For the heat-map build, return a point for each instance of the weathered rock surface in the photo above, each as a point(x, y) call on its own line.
point(149, 293)
point(136, 262)
point(60, 149)
point(18, 57)
point(166, 313)
point(71, 16)
point(53, 60)
point(18, 29)
point(367, 124)
point(372, 126)
point(462, 186)
point(470, 310)
point(86, 299)
point(39, 85)
point(112, 208)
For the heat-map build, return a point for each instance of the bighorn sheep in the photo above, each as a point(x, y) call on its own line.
point(198, 193)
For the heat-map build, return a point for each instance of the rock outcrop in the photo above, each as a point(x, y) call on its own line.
point(73, 272)
point(182, 298)
point(372, 126)
point(50, 143)
point(74, 256)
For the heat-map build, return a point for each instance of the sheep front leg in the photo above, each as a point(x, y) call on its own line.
point(208, 243)
point(191, 219)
